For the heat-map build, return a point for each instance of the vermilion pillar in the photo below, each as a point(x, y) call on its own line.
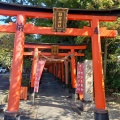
point(73, 70)
point(66, 72)
point(56, 67)
point(34, 67)
point(63, 75)
point(53, 69)
point(16, 71)
point(58, 70)
point(50, 68)
point(100, 103)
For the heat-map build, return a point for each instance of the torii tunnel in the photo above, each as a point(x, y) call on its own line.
point(21, 28)
point(64, 56)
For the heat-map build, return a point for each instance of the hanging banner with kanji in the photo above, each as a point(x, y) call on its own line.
point(39, 70)
point(80, 78)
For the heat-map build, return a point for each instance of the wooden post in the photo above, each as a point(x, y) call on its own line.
point(100, 103)
point(34, 67)
point(58, 71)
point(63, 75)
point(54, 69)
point(50, 68)
point(16, 72)
point(66, 72)
point(73, 70)
point(60, 68)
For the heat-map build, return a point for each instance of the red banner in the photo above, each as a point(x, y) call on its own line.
point(39, 70)
point(80, 78)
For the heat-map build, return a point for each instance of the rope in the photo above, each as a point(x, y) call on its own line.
point(52, 59)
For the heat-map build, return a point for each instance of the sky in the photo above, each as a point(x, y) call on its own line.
point(2, 22)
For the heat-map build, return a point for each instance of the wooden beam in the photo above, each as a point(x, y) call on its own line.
point(86, 31)
point(11, 28)
point(107, 33)
point(30, 29)
point(49, 46)
point(47, 15)
point(59, 54)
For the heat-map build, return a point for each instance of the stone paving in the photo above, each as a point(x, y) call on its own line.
point(53, 103)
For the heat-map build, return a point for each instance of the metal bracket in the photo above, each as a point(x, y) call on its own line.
point(19, 27)
point(96, 30)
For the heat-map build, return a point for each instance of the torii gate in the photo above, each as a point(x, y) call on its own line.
point(21, 28)
point(72, 52)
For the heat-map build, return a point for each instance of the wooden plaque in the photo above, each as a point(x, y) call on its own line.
point(59, 19)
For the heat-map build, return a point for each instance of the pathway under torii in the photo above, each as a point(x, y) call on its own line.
point(55, 61)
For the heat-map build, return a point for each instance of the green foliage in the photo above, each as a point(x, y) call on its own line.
point(6, 49)
point(79, 39)
point(25, 82)
point(113, 66)
point(27, 63)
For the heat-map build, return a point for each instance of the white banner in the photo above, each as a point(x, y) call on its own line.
point(39, 70)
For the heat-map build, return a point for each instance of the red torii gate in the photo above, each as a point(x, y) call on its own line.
point(21, 28)
point(72, 49)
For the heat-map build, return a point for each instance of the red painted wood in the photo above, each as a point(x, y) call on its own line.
point(86, 31)
point(99, 87)
point(34, 66)
point(73, 70)
point(50, 15)
point(49, 46)
point(59, 54)
point(16, 72)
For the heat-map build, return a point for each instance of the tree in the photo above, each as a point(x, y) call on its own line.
point(6, 49)
point(113, 66)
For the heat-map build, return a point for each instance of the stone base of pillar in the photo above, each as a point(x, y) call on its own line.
point(73, 90)
point(101, 114)
point(31, 90)
point(74, 95)
point(86, 106)
point(11, 115)
point(66, 85)
point(66, 88)
point(31, 95)
point(63, 85)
